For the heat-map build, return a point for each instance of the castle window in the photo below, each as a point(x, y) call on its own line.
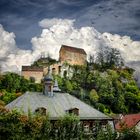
point(53, 71)
point(32, 79)
point(59, 69)
point(41, 111)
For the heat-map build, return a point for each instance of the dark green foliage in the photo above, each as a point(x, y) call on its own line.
point(7, 97)
point(17, 126)
point(129, 134)
point(108, 59)
point(14, 125)
point(45, 61)
point(116, 89)
point(12, 85)
point(11, 82)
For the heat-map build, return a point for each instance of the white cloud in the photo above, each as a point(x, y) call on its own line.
point(11, 57)
point(57, 32)
point(47, 23)
point(6, 40)
point(129, 49)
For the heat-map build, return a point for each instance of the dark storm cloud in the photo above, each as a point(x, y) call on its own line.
point(115, 16)
point(22, 16)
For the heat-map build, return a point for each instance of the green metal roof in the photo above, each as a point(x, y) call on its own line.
point(56, 106)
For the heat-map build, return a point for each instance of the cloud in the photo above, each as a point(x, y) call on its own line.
point(56, 32)
point(129, 49)
point(47, 23)
point(6, 40)
point(62, 31)
point(11, 57)
point(114, 16)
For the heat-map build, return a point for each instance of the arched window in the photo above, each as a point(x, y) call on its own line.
point(41, 111)
point(53, 71)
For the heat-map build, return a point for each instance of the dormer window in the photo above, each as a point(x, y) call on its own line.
point(41, 111)
point(74, 111)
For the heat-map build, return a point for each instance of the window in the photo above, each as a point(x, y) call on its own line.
point(74, 111)
point(59, 69)
point(53, 71)
point(86, 128)
point(41, 111)
point(32, 79)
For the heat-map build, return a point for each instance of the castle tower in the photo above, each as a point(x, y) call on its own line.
point(48, 84)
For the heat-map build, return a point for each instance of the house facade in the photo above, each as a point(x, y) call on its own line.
point(57, 104)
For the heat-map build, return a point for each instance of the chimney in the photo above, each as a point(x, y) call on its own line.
point(48, 84)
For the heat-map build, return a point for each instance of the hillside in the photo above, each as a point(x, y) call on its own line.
point(104, 83)
point(45, 61)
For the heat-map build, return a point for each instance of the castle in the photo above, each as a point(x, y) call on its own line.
point(67, 54)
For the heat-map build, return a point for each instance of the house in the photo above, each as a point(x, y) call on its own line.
point(57, 104)
point(72, 55)
point(128, 121)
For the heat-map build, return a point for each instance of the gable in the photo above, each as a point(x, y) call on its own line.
point(72, 49)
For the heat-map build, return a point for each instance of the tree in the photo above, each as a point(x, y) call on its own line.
point(11, 82)
point(68, 86)
point(132, 102)
point(110, 58)
point(93, 95)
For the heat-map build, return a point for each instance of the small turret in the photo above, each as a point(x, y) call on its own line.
point(48, 84)
point(55, 87)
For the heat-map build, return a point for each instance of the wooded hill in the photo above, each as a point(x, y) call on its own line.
point(104, 83)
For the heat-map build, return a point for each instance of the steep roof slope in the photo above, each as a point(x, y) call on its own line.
point(128, 121)
point(56, 106)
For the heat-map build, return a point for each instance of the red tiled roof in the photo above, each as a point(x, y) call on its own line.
point(73, 49)
point(128, 121)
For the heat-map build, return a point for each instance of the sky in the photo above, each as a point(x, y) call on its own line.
point(30, 27)
point(114, 16)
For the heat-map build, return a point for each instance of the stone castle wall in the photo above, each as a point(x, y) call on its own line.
point(73, 56)
point(35, 73)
